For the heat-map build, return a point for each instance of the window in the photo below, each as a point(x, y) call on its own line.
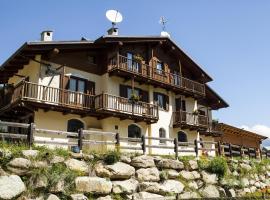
point(134, 131)
point(159, 67)
point(182, 136)
point(162, 134)
point(132, 64)
point(77, 85)
point(162, 100)
point(126, 91)
point(74, 125)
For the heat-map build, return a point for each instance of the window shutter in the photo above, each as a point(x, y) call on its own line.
point(166, 98)
point(144, 96)
point(155, 97)
point(90, 88)
point(123, 91)
point(183, 106)
point(178, 104)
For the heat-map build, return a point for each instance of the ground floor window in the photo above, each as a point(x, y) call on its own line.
point(74, 125)
point(182, 136)
point(162, 134)
point(134, 131)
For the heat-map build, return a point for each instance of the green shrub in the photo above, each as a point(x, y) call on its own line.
point(111, 157)
point(219, 166)
point(203, 163)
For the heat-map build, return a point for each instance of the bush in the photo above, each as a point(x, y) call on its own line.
point(111, 157)
point(203, 163)
point(219, 166)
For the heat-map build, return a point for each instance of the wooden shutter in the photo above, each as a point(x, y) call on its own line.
point(90, 88)
point(178, 104)
point(183, 105)
point(144, 96)
point(123, 91)
point(166, 100)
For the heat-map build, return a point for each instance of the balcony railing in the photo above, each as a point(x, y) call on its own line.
point(183, 118)
point(52, 96)
point(141, 69)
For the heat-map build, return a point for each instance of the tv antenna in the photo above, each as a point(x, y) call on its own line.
point(163, 22)
point(114, 16)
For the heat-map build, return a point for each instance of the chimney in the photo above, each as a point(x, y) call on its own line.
point(46, 36)
point(113, 31)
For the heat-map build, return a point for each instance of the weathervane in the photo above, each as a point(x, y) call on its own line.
point(163, 22)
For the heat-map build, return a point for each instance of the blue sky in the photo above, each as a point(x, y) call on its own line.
point(229, 39)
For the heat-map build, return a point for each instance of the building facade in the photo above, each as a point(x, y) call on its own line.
point(128, 85)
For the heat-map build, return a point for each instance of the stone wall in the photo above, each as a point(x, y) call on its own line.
point(33, 174)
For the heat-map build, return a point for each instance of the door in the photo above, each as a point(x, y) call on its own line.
point(77, 90)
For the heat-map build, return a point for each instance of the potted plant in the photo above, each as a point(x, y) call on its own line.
point(138, 58)
point(134, 97)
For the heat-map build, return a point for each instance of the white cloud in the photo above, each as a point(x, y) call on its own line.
point(259, 129)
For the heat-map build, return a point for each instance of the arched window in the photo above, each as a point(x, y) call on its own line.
point(74, 125)
point(182, 136)
point(134, 131)
point(162, 134)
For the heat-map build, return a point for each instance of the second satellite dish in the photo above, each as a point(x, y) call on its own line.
point(114, 16)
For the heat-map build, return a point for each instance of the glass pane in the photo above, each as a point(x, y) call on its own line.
point(160, 101)
point(129, 60)
point(72, 84)
point(129, 92)
point(159, 67)
point(81, 86)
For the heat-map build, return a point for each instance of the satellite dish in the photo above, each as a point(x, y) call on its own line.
point(114, 16)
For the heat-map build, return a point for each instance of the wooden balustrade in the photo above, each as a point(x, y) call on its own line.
point(187, 118)
point(33, 92)
point(140, 68)
point(119, 104)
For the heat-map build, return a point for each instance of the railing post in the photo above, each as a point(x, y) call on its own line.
point(196, 148)
point(80, 139)
point(260, 152)
point(249, 153)
point(255, 152)
point(176, 148)
point(241, 151)
point(230, 150)
point(219, 148)
point(30, 136)
point(117, 143)
point(143, 144)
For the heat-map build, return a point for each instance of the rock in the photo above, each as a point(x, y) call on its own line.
point(76, 155)
point(143, 161)
point(30, 153)
point(19, 166)
point(152, 187)
point(78, 197)
point(257, 185)
point(209, 178)
point(53, 197)
point(193, 164)
point(172, 186)
point(57, 159)
point(244, 182)
point(2, 172)
point(94, 185)
point(146, 195)
point(120, 170)
point(200, 183)
point(261, 177)
point(108, 197)
point(245, 166)
point(157, 158)
point(247, 190)
point(40, 164)
point(58, 187)
point(88, 157)
point(210, 191)
point(170, 164)
point(251, 182)
point(231, 193)
point(101, 171)
point(172, 174)
point(125, 159)
point(39, 182)
point(148, 174)
point(222, 192)
point(235, 173)
point(189, 195)
point(128, 186)
point(253, 189)
point(193, 185)
point(77, 165)
point(11, 186)
point(190, 175)
point(21, 163)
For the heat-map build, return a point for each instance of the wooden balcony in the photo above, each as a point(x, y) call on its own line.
point(35, 96)
point(213, 130)
point(190, 121)
point(145, 73)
